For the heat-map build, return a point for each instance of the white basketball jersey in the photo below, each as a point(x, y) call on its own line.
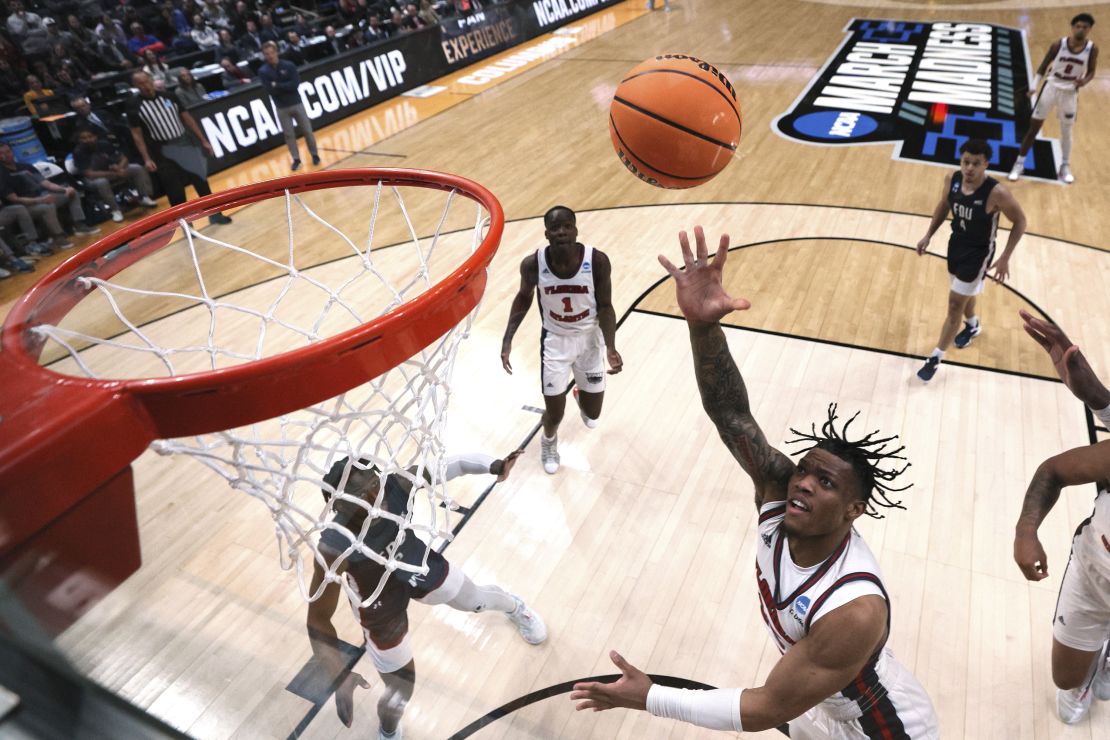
point(1069, 67)
point(792, 598)
point(1092, 538)
point(568, 306)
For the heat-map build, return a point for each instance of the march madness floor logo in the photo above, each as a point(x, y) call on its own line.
point(927, 88)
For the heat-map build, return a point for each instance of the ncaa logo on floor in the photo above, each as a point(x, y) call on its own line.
point(836, 125)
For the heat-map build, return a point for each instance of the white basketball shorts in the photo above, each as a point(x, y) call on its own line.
point(581, 355)
point(1082, 619)
point(1065, 100)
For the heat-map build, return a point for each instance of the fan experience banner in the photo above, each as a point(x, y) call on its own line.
point(925, 88)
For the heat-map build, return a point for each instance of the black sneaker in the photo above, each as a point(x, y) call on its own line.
point(315, 159)
point(966, 334)
point(929, 369)
point(20, 265)
point(219, 218)
point(85, 229)
point(295, 166)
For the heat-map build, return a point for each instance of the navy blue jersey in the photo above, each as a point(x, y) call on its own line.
point(972, 226)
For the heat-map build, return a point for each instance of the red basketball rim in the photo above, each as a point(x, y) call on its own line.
point(52, 424)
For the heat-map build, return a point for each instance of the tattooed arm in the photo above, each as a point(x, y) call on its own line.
point(703, 301)
point(1089, 464)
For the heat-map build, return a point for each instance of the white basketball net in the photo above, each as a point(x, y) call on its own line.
point(395, 421)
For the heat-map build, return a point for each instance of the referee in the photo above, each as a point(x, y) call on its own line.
point(158, 127)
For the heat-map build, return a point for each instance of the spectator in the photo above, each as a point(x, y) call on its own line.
point(21, 184)
point(411, 20)
point(349, 12)
point(240, 16)
point(203, 35)
point(397, 21)
point(333, 44)
point(156, 67)
point(427, 13)
point(31, 248)
point(55, 34)
point(113, 56)
point(375, 30)
point(63, 58)
point(227, 47)
point(140, 40)
point(10, 86)
point(160, 130)
point(301, 27)
point(280, 79)
point(80, 31)
point(103, 123)
point(178, 20)
point(294, 51)
point(267, 32)
point(35, 91)
point(188, 91)
point(251, 42)
point(10, 262)
point(216, 14)
point(113, 29)
point(69, 85)
point(232, 75)
point(22, 24)
point(103, 166)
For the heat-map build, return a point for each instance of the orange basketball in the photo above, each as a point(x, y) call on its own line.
point(675, 121)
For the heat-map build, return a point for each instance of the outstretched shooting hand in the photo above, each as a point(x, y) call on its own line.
point(699, 289)
point(629, 691)
point(1070, 364)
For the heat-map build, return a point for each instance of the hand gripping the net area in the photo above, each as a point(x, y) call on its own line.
point(322, 325)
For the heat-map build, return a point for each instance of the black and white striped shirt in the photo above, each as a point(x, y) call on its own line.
point(159, 117)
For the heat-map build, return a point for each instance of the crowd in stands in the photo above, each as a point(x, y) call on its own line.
point(57, 55)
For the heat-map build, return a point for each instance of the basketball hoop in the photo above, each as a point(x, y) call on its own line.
point(366, 375)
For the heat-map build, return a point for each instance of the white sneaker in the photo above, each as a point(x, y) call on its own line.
point(1101, 683)
point(395, 736)
point(549, 453)
point(590, 423)
point(1072, 706)
point(528, 623)
point(147, 202)
point(1065, 174)
point(1015, 173)
point(117, 215)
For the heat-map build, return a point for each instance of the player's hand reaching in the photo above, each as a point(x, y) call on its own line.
point(1070, 364)
point(629, 691)
point(1030, 557)
point(1001, 269)
point(501, 468)
point(699, 289)
point(616, 364)
point(506, 349)
point(923, 245)
point(345, 697)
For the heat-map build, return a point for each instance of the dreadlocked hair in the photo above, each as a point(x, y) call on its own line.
point(865, 455)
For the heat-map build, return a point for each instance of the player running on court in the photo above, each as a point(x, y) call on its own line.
point(975, 201)
point(1081, 625)
point(1073, 60)
point(385, 621)
point(820, 589)
point(579, 332)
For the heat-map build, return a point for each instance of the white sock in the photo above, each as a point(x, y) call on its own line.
point(474, 598)
point(1066, 125)
point(937, 353)
point(549, 439)
point(973, 321)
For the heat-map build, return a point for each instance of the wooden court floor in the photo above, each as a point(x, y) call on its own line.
point(643, 541)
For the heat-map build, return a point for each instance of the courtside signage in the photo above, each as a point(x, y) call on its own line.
point(926, 88)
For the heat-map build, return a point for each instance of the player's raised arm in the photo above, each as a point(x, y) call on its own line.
point(522, 301)
point(704, 302)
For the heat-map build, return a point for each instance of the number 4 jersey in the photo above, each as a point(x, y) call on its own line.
point(567, 305)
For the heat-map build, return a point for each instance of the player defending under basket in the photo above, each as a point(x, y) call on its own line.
point(385, 621)
point(821, 592)
point(579, 332)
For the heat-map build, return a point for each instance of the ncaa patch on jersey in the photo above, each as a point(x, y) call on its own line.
point(925, 88)
point(802, 605)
